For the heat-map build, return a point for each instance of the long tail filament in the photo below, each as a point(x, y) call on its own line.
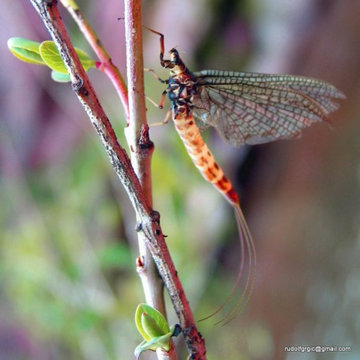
point(247, 253)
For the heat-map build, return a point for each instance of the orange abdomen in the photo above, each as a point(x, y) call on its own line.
point(202, 157)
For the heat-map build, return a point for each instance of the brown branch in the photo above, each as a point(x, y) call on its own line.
point(141, 146)
point(149, 223)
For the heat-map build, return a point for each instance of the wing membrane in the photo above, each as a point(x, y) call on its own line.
point(252, 108)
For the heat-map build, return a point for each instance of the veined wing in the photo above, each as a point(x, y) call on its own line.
point(253, 108)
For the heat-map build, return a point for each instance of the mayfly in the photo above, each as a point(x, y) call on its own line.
point(245, 108)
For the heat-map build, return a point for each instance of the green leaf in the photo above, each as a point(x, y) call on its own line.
point(162, 342)
point(60, 77)
point(86, 61)
point(150, 326)
point(25, 50)
point(53, 60)
point(150, 322)
point(143, 346)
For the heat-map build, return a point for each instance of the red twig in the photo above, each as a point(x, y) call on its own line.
point(106, 64)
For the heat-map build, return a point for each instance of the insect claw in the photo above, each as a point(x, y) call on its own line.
point(155, 216)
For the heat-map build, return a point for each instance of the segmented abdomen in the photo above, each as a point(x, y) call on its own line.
point(202, 157)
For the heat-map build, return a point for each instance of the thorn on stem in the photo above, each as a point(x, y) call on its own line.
point(144, 140)
point(77, 84)
point(140, 262)
point(155, 216)
point(177, 330)
point(138, 227)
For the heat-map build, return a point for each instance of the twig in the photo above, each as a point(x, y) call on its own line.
point(106, 63)
point(140, 145)
point(149, 220)
point(166, 355)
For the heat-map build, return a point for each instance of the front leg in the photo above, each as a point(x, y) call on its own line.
point(165, 121)
point(164, 63)
point(162, 100)
point(156, 76)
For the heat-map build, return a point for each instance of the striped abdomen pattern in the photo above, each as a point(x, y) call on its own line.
point(202, 156)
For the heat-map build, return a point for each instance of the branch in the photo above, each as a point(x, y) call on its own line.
point(149, 223)
point(106, 63)
point(140, 145)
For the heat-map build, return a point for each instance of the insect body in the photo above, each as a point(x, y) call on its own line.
point(245, 108)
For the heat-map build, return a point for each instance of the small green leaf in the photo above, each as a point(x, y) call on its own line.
point(60, 77)
point(86, 61)
point(150, 322)
point(25, 50)
point(51, 57)
point(143, 346)
point(150, 326)
point(162, 342)
point(53, 60)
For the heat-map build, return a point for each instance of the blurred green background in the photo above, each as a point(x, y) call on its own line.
point(68, 285)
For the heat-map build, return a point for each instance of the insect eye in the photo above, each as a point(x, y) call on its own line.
point(174, 55)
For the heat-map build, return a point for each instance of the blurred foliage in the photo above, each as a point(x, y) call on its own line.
point(59, 247)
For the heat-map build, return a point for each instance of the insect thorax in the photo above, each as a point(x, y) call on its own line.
point(181, 89)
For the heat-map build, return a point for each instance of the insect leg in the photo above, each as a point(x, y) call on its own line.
point(164, 63)
point(161, 106)
point(165, 121)
point(162, 100)
point(156, 76)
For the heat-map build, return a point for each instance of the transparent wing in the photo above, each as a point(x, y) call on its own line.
point(253, 108)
